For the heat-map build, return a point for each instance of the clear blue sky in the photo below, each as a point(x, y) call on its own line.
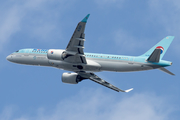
point(114, 27)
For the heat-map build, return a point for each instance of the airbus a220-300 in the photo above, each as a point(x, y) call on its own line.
point(83, 65)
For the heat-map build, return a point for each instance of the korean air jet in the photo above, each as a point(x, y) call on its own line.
point(83, 65)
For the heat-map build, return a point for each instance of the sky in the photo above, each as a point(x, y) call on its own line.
point(121, 27)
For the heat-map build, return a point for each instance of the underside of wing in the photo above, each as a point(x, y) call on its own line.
point(97, 79)
point(74, 52)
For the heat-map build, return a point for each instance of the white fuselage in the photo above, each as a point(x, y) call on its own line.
point(95, 62)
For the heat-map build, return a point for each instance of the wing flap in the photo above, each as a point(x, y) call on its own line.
point(81, 39)
point(83, 59)
point(106, 84)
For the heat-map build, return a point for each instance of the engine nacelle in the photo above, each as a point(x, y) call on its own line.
point(71, 78)
point(55, 54)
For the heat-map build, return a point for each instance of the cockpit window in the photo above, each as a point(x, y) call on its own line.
point(17, 51)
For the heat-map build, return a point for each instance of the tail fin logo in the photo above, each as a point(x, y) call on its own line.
point(160, 47)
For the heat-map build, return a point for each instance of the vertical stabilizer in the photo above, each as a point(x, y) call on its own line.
point(163, 45)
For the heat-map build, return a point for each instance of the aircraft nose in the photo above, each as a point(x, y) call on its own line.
point(9, 57)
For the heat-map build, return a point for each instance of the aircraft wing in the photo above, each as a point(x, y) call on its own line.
point(96, 79)
point(74, 51)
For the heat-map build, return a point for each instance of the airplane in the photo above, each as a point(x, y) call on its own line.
point(83, 65)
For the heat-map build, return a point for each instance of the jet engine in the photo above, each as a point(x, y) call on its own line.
point(71, 78)
point(55, 54)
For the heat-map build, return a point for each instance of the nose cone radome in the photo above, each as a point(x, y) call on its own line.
point(9, 58)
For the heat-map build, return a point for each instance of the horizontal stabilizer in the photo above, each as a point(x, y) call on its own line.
point(166, 71)
point(154, 57)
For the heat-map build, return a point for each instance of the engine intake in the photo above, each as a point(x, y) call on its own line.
point(71, 78)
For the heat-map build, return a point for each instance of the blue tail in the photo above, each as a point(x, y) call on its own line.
point(163, 45)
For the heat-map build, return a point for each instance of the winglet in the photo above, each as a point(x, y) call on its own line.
point(86, 18)
point(128, 90)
